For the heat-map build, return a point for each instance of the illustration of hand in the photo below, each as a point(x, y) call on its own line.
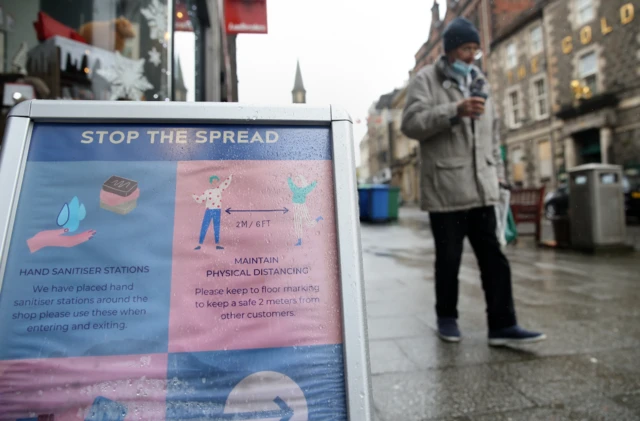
point(56, 238)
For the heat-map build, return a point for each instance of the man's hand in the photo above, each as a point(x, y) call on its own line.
point(471, 107)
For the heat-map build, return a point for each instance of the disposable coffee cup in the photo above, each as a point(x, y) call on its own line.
point(479, 95)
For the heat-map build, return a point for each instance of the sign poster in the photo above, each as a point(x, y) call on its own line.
point(173, 272)
point(245, 17)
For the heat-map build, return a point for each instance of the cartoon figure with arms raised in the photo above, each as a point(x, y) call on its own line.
point(212, 198)
point(301, 215)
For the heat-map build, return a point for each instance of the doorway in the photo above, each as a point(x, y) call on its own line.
point(587, 145)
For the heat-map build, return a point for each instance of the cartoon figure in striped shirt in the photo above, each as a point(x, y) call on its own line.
point(301, 216)
point(212, 198)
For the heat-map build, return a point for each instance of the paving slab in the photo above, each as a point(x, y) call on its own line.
point(588, 369)
point(388, 357)
point(458, 391)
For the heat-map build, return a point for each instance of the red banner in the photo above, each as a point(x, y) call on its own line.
point(245, 16)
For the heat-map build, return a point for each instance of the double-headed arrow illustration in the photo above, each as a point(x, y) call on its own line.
point(284, 414)
point(230, 211)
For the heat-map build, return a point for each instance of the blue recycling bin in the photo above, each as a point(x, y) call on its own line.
point(379, 203)
point(363, 201)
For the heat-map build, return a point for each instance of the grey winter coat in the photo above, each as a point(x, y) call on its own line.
point(459, 168)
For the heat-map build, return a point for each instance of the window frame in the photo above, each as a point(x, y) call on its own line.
point(536, 97)
point(547, 142)
point(511, 123)
point(532, 49)
point(590, 6)
point(515, 151)
point(508, 56)
point(595, 73)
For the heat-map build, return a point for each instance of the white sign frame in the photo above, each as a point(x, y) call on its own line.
point(15, 149)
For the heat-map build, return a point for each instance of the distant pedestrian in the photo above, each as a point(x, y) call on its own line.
point(449, 111)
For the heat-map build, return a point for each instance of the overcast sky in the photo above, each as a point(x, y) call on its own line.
point(350, 51)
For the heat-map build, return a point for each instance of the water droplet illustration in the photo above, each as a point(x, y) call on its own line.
point(63, 216)
point(71, 214)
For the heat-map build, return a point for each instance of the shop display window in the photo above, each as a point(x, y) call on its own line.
point(104, 49)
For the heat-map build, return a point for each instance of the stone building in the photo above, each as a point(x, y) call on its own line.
point(489, 16)
point(564, 74)
point(493, 18)
point(386, 154)
point(363, 169)
point(593, 49)
point(519, 79)
point(379, 132)
point(405, 168)
point(377, 144)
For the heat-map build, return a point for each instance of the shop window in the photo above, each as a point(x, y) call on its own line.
point(104, 49)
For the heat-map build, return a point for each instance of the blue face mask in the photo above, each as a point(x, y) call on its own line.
point(461, 67)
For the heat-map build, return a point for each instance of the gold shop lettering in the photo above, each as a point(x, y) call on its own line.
point(627, 14)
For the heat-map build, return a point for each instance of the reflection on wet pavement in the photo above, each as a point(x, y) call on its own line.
point(588, 369)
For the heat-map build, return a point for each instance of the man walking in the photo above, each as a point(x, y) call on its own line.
point(449, 111)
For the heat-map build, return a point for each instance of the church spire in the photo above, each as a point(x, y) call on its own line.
point(299, 93)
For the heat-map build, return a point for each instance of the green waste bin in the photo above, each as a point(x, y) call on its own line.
point(394, 202)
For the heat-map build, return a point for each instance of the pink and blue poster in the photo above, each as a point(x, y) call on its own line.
point(173, 273)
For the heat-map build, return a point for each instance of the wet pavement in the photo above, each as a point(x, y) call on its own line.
point(589, 307)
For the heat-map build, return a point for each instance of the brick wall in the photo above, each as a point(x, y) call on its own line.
point(500, 14)
point(504, 12)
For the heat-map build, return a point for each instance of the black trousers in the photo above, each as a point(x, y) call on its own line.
point(479, 225)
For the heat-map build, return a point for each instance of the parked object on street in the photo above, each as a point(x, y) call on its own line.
point(597, 206)
point(502, 215)
point(378, 202)
point(556, 203)
point(526, 205)
point(394, 202)
point(561, 231)
point(364, 194)
point(631, 188)
point(511, 230)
